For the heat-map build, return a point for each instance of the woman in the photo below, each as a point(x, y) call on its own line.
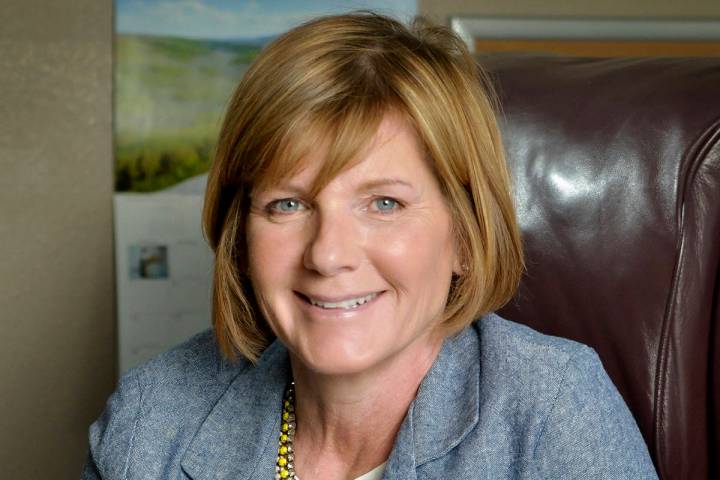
point(360, 214)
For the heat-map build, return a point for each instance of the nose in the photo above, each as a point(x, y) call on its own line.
point(335, 244)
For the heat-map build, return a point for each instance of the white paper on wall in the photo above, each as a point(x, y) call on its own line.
point(163, 272)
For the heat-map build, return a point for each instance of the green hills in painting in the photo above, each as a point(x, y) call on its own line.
point(170, 96)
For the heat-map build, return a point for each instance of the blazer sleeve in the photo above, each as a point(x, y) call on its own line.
point(590, 432)
point(90, 471)
point(111, 436)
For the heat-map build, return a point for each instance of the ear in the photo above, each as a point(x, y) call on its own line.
point(460, 270)
point(459, 267)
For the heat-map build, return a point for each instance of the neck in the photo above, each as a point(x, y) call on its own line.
point(347, 424)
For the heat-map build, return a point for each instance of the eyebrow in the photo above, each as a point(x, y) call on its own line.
point(363, 187)
point(383, 182)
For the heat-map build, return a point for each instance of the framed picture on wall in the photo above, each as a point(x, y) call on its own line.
point(591, 37)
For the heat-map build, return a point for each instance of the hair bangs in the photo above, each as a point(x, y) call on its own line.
point(340, 132)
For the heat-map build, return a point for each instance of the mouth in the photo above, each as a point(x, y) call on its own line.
point(346, 304)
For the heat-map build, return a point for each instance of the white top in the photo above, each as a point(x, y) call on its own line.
point(374, 474)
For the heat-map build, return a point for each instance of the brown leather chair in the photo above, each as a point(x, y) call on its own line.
point(616, 166)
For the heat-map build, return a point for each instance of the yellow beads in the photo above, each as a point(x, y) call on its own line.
point(284, 467)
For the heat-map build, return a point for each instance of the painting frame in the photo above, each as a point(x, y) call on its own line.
point(590, 36)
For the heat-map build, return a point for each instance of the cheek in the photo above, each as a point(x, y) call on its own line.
point(271, 256)
point(272, 260)
point(414, 255)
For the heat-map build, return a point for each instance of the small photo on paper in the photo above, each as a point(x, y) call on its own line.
point(148, 262)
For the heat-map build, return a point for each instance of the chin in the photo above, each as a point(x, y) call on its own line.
point(334, 357)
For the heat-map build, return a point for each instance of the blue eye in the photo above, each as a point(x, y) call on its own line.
point(385, 204)
point(285, 205)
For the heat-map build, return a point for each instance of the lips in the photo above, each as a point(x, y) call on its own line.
point(346, 302)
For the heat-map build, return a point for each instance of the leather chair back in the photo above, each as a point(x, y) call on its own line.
point(616, 167)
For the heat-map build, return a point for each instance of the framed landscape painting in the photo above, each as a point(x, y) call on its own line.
point(176, 65)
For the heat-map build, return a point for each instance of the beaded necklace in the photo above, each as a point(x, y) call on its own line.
point(285, 467)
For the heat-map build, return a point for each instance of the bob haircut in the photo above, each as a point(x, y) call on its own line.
point(330, 81)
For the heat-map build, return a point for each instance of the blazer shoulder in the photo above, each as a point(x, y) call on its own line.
point(520, 346)
point(197, 360)
point(165, 398)
point(522, 370)
point(556, 395)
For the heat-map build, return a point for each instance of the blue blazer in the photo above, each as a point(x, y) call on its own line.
point(501, 401)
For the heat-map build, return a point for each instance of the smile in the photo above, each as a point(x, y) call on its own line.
point(348, 304)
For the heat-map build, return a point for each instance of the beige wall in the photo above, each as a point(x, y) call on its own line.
point(440, 10)
point(57, 347)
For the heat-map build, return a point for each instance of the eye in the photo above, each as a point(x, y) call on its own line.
point(285, 205)
point(386, 204)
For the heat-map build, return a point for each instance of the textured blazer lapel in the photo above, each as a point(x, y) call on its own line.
point(445, 410)
point(401, 463)
point(238, 438)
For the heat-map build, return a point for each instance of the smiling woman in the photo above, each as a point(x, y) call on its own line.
point(314, 102)
point(360, 212)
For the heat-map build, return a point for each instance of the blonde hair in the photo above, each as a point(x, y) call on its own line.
point(333, 79)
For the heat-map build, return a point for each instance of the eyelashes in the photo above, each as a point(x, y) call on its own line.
point(381, 205)
point(384, 202)
point(284, 206)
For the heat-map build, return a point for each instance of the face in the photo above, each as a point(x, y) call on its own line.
point(358, 276)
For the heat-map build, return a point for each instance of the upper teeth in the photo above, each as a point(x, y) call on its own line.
point(350, 303)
